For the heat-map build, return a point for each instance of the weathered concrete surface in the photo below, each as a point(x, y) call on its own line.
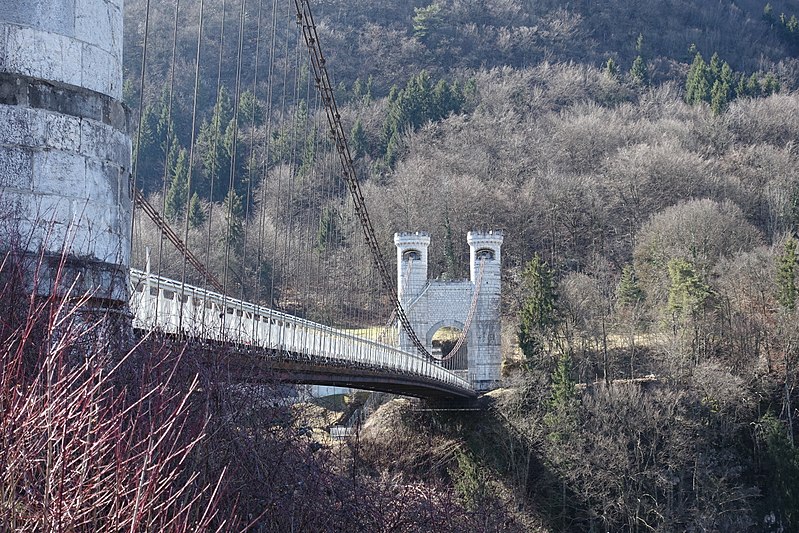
point(433, 304)
point(65, 151)
point(78, 42)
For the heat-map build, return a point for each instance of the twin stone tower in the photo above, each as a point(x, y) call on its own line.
point(435, 304)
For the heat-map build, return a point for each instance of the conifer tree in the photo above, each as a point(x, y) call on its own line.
point(714, 69)
point(358, 140)
point(369, 87)
point(771, 85)
point(178, 187)
point(442, 101)
point(234, 220)
point(147, 152)
point(196, 212)
point(211, 146)
point(425, 22)
point(688, 292)
point(697, 88)
point(357, 90)
point(328, 233)
point(639, 71)
point(611, 69)
point(394, 149)
point(718, 97)
point(251, 111)
point(753, 86)
point(561, 416)
point(538, 316)
point(629, 292)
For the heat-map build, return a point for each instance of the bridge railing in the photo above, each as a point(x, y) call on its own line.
point(156, 303)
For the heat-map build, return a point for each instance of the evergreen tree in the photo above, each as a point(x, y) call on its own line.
point(358, 140)
point(147, 151)
point(719, 97)
point(196, 211)
point(211, 147)
point(233, 210)
point(426, 20)
point(629, 292)
point(561, 416)
point(639, 72)
point(443, 102)
point(538, 316)
point(688, 292)
point(369, 87)
point(308, 153)
point(393, 94)
point(394, 149)
point(639, 44)
point(740, 86)
point(792, 25)
point(753, 86)
point(787, 268)
point(328, 233)
point(714, 69)
point(611, 69)
point(771, 85)
point(357, 89)
point(235, 154)
point(251, 112)
point(697, 88)
point(177, 194)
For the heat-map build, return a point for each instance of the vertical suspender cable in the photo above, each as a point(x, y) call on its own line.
point(141, 108)
point(170, 132)
point(264, 187)
point(305, 17)
point(279, 184)
point(191, 152)
point(216, 123)
point(251, 156)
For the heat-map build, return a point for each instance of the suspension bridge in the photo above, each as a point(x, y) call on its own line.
point(248, 224)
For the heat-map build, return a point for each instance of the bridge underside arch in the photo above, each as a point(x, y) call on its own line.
point(253, 365)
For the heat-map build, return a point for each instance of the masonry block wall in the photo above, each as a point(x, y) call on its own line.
point(433, 304)
point(65, 152)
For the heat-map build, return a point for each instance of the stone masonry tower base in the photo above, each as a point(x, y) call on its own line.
point(64, 146)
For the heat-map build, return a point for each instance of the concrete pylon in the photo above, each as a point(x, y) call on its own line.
point(65, 149)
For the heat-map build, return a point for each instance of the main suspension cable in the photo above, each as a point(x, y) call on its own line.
point(305, 19)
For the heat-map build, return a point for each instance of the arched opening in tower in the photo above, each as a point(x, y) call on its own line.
point(444, 341)
point(411, 255)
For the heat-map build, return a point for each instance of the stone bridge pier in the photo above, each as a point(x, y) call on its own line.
point(65, 151)
point(435, 304)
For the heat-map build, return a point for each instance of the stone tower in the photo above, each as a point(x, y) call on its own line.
point(485, 253)
point(64, 146)
point(433, 304)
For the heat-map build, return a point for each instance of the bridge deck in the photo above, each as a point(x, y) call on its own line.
point(254, 342)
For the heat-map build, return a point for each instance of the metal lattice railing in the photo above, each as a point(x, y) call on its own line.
point(156, 303)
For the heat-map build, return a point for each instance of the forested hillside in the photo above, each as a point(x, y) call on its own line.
point(642, 159)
